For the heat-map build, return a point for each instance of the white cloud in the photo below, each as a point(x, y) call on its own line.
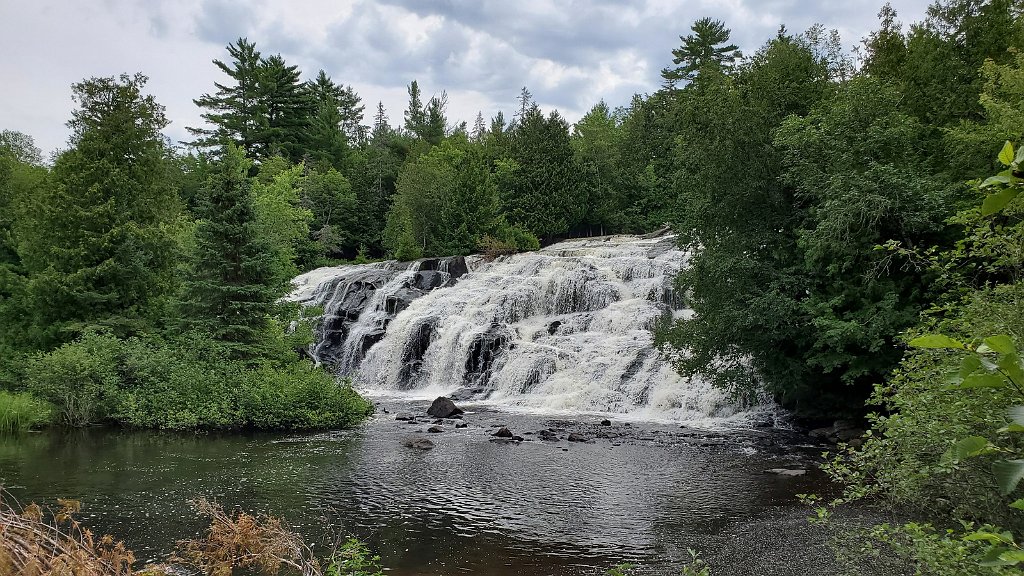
point(569, 54)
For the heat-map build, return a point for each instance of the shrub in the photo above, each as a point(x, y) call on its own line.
point(79, 378)
point(354, 558)
point(21, 411)
point(190, 383)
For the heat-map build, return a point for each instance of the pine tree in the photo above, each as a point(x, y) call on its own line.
point(327, 142)
point(266, 109)
point(236, 111)
point(435, 124)
point(703, 50)
point(288, 107)
point(415, 115)
point(229, 291)
point(479, 128)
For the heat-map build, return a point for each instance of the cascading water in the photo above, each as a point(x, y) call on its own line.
point(566, 329)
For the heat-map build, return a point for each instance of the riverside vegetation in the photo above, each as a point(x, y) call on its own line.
point(855, 239)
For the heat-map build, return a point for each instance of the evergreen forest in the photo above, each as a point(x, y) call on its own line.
point(854, 218)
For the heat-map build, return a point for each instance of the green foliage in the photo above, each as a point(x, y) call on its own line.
point(79, 378)
point(696, 566)
point(231, 285)
point(335, 209)
point(778, 276)
point(948, 440)
point(703, 51)
point(539, 190)
point(265, 109)
point(446, 202)
point(620, 570)
point(21, 411)
point(188, 383)
point(98, 237)
point(353, 558)
point(283, 223)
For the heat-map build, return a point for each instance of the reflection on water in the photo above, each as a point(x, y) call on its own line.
point(467, 506)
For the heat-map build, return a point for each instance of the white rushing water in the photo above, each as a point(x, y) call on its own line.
point(566, 329)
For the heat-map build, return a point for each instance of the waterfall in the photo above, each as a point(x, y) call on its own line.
point(565, 329)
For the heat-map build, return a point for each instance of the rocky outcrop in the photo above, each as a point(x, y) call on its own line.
point(418, 443)
point(443, 407)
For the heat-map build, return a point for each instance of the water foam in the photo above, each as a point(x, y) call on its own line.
point(566, 329)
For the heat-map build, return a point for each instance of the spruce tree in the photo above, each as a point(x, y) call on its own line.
point(229, 292)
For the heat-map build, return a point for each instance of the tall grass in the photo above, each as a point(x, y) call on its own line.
point(20, 411)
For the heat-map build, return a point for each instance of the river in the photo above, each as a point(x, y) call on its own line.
point(643, 493)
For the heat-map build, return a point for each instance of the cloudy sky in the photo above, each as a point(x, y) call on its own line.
point(569, 53)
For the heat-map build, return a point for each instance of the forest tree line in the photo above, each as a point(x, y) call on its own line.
point(836, 205)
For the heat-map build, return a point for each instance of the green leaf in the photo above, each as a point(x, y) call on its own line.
point(936, 341)
point(1016, 428)
point(984, 537)
point(991, 557)
point(1018, 504)
point(970, 447)
point(1011, 365)
point(993, 180)
point(1019, 157)
point(1014, 556)
point(998, 200)
point(1002, 343)
point(1008, 474)
point(983, 380)
point(970, 364)
point(1006, 154)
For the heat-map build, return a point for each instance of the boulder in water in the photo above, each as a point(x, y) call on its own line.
point(574, 437)
point(443, 408)
point(418, 443)
point(548, 435)
point(461, 425)
point(503, 432)
point(435, 429)
point(606, 422)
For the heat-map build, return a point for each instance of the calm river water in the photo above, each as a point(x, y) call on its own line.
point(642, 494)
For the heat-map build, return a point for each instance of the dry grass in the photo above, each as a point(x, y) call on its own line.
point(36, 541)
point(40, 542)
point(260, 543)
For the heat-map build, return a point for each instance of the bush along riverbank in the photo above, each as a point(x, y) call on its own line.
point(946, 443)
point(183, 384)
point(118, 307)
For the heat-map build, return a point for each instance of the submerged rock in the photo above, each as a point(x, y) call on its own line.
point(461, 425)
point(418, 443)
point(787, 471)
point(443, 407)
point(574, 437)
point(435, 429)
point(503, 433)
point(548, 435)
point(606, 422)
point(839, 431)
